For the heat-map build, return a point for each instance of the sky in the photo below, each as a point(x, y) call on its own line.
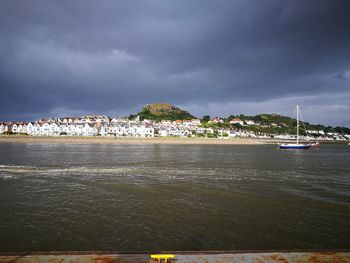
point(217, 58)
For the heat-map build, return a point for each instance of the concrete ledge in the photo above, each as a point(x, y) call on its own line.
point(180, 257)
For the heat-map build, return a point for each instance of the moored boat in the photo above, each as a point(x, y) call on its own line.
point(315, 144)
point(296, 145)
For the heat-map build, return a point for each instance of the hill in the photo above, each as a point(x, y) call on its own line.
point(288, 124)
point(163, 111)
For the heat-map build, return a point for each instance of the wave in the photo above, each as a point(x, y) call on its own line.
point(21, 169)
point(6, 176)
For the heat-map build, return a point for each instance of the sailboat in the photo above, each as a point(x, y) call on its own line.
point(296, 145)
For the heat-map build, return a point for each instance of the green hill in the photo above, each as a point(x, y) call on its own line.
point(275, 118)
point(286, 124)
point(266, 119)
point(163, 111)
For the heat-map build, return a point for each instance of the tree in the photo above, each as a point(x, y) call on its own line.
point(205, 118)
point(131, 117)
point(229, 118)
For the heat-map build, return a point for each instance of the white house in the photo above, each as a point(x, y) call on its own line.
point(114, 120)
point(173, 131)
point(145, 131)
point(232, 134)
point(29, 128)
point(216, 120)
point(193, 122)
point(103, 130)
point(49, 129)
point(13, 128)
point(3, 127)
point(165, 122)
point(237, 121)
point(55, 129)
point(33, 129)
point(45, 129)
point(116, 130)
point(77, 120)
point(77, 129)
point(250, 122)
point(196, 122)
point(177, 122)
point(315, 132)
point(72, 120)
point(89, 130)
point(23, 128)
point(72, 129)
point(187, 123)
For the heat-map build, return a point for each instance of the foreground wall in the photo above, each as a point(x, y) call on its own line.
point(179, 257)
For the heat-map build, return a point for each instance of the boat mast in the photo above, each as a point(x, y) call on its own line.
point(297, 124)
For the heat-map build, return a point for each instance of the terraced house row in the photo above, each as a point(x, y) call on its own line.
point(100, 126)
point(79, 127)
point(118, 127)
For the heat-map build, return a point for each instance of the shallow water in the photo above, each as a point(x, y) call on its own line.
point(173, 197)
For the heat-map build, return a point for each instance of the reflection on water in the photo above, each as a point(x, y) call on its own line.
point(173, 197)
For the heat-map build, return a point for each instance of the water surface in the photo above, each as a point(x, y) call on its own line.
point(173, 197)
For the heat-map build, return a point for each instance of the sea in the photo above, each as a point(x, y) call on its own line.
point(81, 197)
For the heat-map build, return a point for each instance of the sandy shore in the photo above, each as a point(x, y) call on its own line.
point(124, 140)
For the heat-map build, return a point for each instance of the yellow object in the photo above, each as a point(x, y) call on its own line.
point(165, 257)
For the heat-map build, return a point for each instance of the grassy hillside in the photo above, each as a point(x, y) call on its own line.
point(286, 124)
point(163, 111)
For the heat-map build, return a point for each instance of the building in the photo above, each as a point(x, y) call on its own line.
point(237, 121)
point(250, 122)
point(216, 120)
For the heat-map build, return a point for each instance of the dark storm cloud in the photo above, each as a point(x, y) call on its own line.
point(62, 57)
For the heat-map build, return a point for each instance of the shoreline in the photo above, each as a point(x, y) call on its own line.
point(142, 140)
point(126, 140)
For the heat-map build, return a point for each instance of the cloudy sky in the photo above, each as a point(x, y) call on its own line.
point(209, 57)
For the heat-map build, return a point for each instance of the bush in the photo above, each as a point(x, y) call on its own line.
point(9, 133)
point(212, 135)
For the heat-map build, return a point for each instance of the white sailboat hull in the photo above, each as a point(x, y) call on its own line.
point(295, 146)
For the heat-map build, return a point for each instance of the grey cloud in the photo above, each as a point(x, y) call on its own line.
point(114, 56)
point(344, 75)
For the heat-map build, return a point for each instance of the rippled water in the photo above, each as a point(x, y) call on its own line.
point(173, 197)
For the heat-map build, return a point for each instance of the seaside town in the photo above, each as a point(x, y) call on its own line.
point(134, 127)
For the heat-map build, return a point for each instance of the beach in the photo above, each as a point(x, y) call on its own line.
point(125, 140)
